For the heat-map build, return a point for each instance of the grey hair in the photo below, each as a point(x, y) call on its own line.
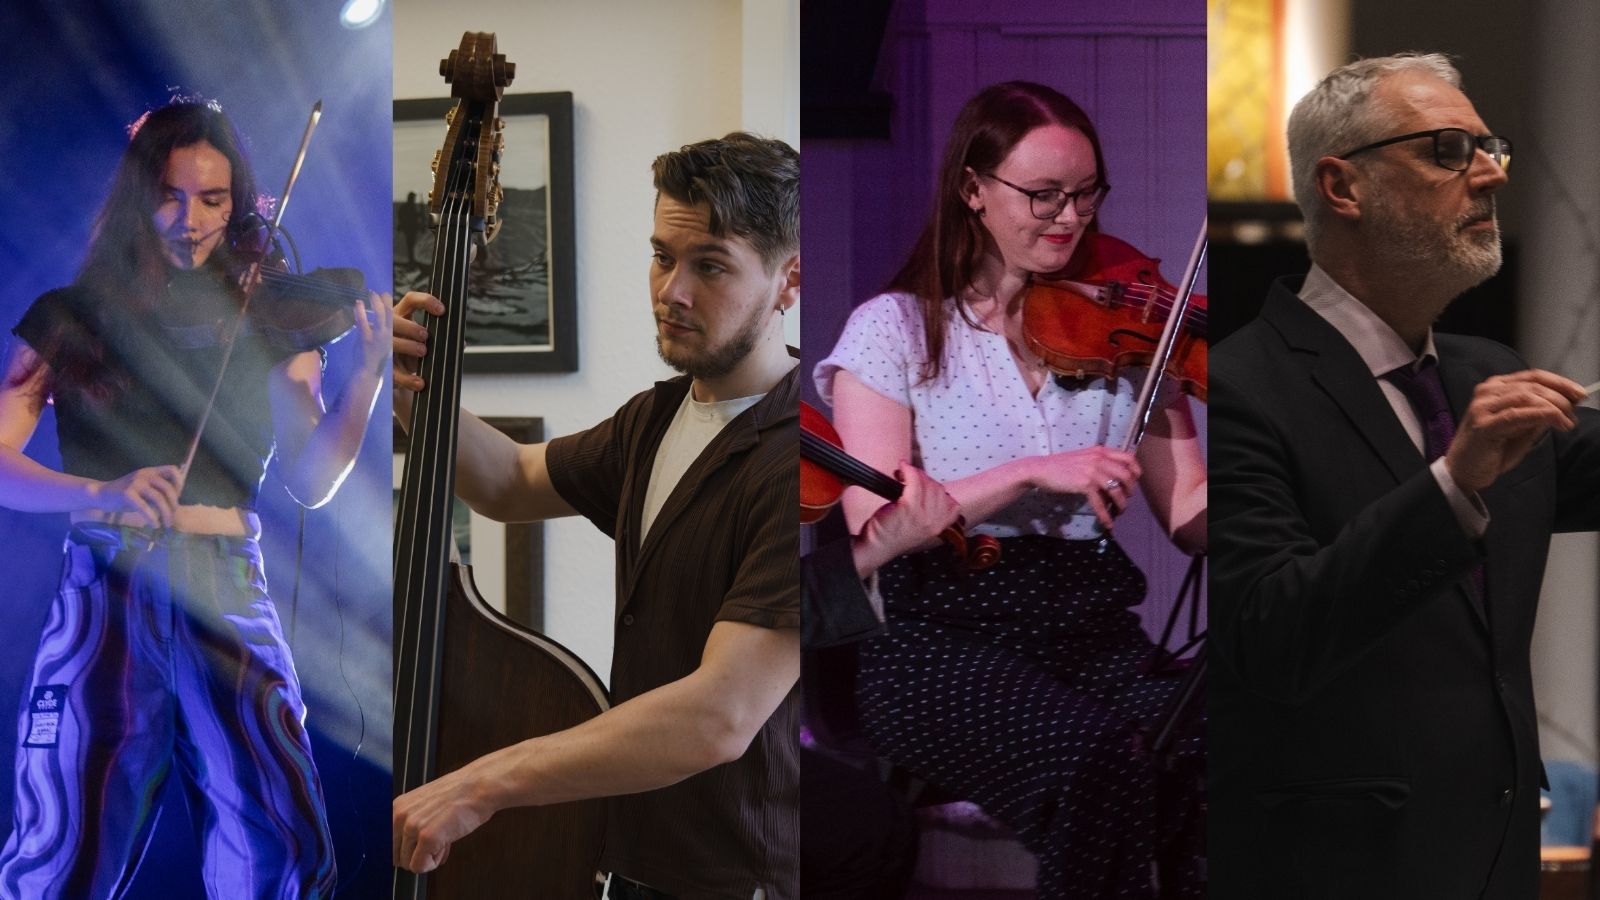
point(1336, 117)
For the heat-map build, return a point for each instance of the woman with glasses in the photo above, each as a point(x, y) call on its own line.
point(1018, 687)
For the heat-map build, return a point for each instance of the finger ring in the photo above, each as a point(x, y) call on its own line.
point(1113, 484)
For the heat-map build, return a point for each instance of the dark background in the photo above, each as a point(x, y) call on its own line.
point(1491, 53)
point(74, 76)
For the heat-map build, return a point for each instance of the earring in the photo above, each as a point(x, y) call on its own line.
point(981, 212)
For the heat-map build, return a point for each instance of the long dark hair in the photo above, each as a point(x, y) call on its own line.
point(947, 254)
point(124, 270)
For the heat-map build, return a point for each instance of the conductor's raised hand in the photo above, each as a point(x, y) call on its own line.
point(1508, 415)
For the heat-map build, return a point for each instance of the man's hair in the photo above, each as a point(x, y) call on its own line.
point(750, 184)
point(1338, 116)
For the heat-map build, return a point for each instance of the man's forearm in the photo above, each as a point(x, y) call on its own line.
point(654, 740)
point(487, 469)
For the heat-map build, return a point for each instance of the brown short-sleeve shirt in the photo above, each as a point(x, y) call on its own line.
point(724, 547)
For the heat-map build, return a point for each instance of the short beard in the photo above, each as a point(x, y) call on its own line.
point(718, 361)
point(1450, 262)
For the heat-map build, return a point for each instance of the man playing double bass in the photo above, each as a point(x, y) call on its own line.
point(695, 480)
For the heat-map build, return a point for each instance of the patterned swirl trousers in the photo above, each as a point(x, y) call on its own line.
point(163, 650)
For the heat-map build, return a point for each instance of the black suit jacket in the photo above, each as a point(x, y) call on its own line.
point(1372, 728)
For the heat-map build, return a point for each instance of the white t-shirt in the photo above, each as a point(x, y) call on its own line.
point(693, 427)
point(978, 413)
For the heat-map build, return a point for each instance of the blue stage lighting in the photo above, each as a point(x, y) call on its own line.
point(360, 13)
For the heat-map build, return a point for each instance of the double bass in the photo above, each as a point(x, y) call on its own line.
point(468, 680)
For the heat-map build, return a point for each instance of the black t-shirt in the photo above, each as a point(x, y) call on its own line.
point(162, 368)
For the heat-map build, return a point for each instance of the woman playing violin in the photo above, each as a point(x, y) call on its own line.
point(1017, 687)
point(162, 650)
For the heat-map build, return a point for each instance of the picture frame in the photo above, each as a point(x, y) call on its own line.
point(522, 302)
point(507, 559)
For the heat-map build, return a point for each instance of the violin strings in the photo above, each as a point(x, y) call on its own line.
point(846, 467)
point(1138, 295)
point(313, 288)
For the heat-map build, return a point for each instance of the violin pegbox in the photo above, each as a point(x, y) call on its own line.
point(478, 77)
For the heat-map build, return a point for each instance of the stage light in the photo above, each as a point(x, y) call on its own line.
point(360, 13)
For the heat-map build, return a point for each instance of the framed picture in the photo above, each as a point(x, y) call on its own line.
point(522, 300)
point(507, 560)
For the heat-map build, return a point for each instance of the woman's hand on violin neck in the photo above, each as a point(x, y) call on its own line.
point(1104, 475)
point(151, 492)
point(410, 346)
point(375, 332)
point(913, 522)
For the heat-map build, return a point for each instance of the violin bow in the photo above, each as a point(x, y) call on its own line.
point(1145, 406)
point(252, 276)
point(1169, 341)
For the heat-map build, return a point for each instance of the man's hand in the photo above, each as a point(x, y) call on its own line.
point(410, 345)
point(432, 817)
point(1507, 416)
point(911, 523)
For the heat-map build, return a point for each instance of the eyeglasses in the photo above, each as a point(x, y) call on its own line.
point(1049, 202)
point(1453, 148)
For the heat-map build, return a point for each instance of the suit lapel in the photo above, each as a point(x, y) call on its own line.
point(1339, 370)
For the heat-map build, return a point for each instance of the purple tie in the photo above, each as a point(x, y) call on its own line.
point(1425, 390)
point(1426, 393)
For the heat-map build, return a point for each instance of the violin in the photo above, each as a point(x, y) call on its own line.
point(1108, 312)
point(826, 470)
point(291, 313)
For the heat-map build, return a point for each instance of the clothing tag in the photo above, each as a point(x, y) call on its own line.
point(44, 715)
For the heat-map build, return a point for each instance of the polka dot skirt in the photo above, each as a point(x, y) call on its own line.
point(1020, 688)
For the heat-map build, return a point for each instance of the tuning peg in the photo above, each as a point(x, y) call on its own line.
point(434, 166)
point(502, 71)
point(450, 116)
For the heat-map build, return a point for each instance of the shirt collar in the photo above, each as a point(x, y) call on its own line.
point(1380, 347)
point(779, 405)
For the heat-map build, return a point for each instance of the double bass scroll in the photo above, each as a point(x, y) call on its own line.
point(468, 680)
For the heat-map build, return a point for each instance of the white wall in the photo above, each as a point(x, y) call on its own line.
point(1560, 326)
point(646, 77)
